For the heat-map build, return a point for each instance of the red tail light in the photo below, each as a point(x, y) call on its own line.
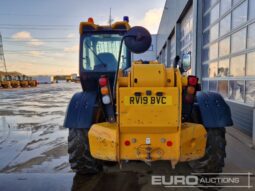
point(192, 80)
point(103, 81)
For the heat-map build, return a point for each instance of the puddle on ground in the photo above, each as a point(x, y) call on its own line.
point(32, 138)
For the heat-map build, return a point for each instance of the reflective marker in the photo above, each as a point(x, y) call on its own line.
point(127, 142)
point(169, 143)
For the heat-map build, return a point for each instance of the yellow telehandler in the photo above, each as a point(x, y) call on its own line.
point(141, 110)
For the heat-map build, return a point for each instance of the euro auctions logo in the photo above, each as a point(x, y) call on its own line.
point(220, 180)
point(172, 181)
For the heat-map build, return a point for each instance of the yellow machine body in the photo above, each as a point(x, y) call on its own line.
point(32, 83)
point(6, 84)
point(68, 78)
point(24, 83)
point(149, 125)
point(15, 83)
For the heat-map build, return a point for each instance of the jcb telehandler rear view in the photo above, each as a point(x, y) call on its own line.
point(141, 111)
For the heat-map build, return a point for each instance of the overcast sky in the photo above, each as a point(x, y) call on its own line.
point(41, 36)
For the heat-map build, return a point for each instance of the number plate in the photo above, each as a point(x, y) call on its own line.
point(148, 100)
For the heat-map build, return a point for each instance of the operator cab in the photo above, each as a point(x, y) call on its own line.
point(99, 51)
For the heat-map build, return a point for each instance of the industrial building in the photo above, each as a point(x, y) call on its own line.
point(220, 34)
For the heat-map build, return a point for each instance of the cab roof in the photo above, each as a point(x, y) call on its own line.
point(90, 26)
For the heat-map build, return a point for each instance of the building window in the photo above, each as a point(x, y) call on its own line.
point(205, 70)
point(225, 5)
point(223, 88)
point(228, 50)
point(205, 54)
point(236, 1)
point(238, 41)
point(213, 69)
point(251, 35)
point(206, 37)
point(215, 13)
point(250, 67)
point(208, 3)
point(236, 90)
point(224, 47)
point(186, 32)
point(211, 17)
point(214, 32)
point(225, 25)
point(239, 15)
point(237, 66)
point(223, 69)
point(205, 85)
point(213, 51)
point(172, 50)
point(250, 92)
point(213, 85)
point(251, 9)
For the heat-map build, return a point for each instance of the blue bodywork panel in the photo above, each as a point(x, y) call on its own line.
point(213, 110)
point(80, 110)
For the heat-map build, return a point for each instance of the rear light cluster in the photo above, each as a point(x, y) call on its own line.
point(104, 85)
point(192, 80)
point(191, 89)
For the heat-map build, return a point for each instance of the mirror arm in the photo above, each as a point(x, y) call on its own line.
point(118, 65)
point(117, 70)
point(176, 61)
point(181, 69)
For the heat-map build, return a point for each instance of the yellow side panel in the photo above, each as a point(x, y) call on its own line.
point(148, 116)
point(148, 75)
point(187, 144)
point(170, 77)
point(103, 141)
point(193, 141)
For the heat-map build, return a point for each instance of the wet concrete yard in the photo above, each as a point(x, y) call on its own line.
point(32, 138)
point(33, 148)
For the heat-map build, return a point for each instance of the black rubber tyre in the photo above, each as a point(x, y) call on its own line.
point(213, 161)
point(80, 158)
